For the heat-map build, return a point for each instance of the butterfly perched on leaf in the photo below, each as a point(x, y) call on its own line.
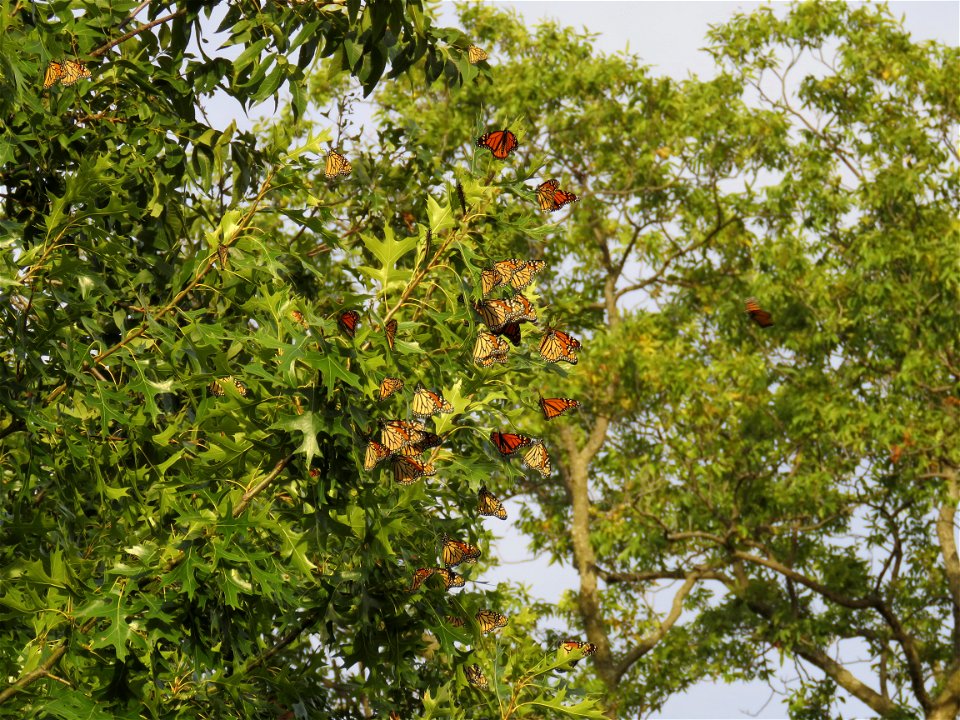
point(455, 621)
point(390, 331)
point(522, 310)
point(475, 55)
point(453, 552)
point(489, 349)
point(407, 469)
point(396, 434)
point(536, 457)
point(374, 454)
point(518, 273)
point(450, 578)
point(500, 142)
point(566, 647)
point(555, 407)
point(336, 164)
point(556, 345)
point(551, 197)
point(420, 576)
point(67, 72)
point(509, 443)
point(489, 504)
point(216, 387)
point(426, 403)
point(389, 387)
point(760, 316)
point(475, 676)
point(347, 321)
point(489, 620)
point(495, 313)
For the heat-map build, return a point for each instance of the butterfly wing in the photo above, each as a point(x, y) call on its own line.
point(347, 321)
point(390, 331)
point(545, 193)
point(522, 310)
point(561, 198)
point(390, 386)
point(419, 576)
point(536, 457)
point(407, 470)
point(374, 455)
point(487, 348)
point(509, 443)
point(53, 74)
point(475, 676)
point(555, 407)
point(73, 71)
point(489, 620)
point(336, 164)
point(495, 313)
point(475, 55)
point(557, 345)
point(490, 505)
point(511, 331)
point(500, 142)
point(426, 403)
point(760, 316)
point(456, 551)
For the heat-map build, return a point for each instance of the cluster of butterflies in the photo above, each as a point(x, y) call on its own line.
point(65, 72)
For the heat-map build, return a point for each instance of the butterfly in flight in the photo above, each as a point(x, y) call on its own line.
point(557, 345)
point(336, 164)
point(760, 316)
point(489, 504)
point(475, 676)
point(426, 403)
point(509, 443)
point(555, 407)
point(456, 551)
point(389, 386)
point(551, 197)
point(390, 331)
point(67, 72)
point(500, 142)
point(536, 457)
point(348, 321)
point(489, 620)
point(475, 55)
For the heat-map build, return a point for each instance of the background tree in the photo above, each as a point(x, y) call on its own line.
point(797, 484)
point(187, 528)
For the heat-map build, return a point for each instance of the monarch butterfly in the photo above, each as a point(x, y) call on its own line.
point(511, 331)
point(223, 255)
point(536, 457)
point(456, 551)
point(66, 73)
point(760, 316)
point(347, 320)
point(389, 386)
point(450, 578)
point(455, 621)
point(419, 576)
point(509, 443)
point(336, 165)
point(407, 470)
point(572, 645)
point(489, 279)
point(216, 387)
point(519, 273)
point(490, 620)
point(555, 407)
point(397, 433)
point(557, 345)
point(374, 454)
point(475, 55)
point(522, 309)
point(501, 143)
point(426, 403)
point(489, 349)
point(490, 505)
point(495, 313)
point(427, 440)
point(475, 676)
point(390, 331)
point(551, 197)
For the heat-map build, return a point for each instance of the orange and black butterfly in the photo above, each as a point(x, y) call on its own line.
point(511, 331)
point(375, 454)
point(67, 72)
point(455, 621)
point(427, 440)
point(216, 387)
point(456, 551)
point(517, 273)
point(555, 407)
point(419, 576)
point(551, 197)
point(489, 279)
point(509, 443)
point(395, 434)
point(476, 54)
point(390, 331)
point(450, 578)
point(501, 143)
point(407, 470)
point(490, 505)
point(475, 676)
point(336, 164)
point(495, 313)
point(347, 321)
point(537, 458)
point(557, 345)
point(426, 403)
point(522, 310)
point(572, 645)
point(489, 349)
point(490, 620)
point(390, 386)
point(760, 316)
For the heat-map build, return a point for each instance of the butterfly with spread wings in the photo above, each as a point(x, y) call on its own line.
point(500, 142)
point(389, 387)
point(509, 443)
point(760, 316)
point(396, 434)
point(420, 576)
point(67, 72)
point(426, 403)
point(454, 552)
point(348, 321)
point(489, 620)
point(555, 407)
point(551, 197)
